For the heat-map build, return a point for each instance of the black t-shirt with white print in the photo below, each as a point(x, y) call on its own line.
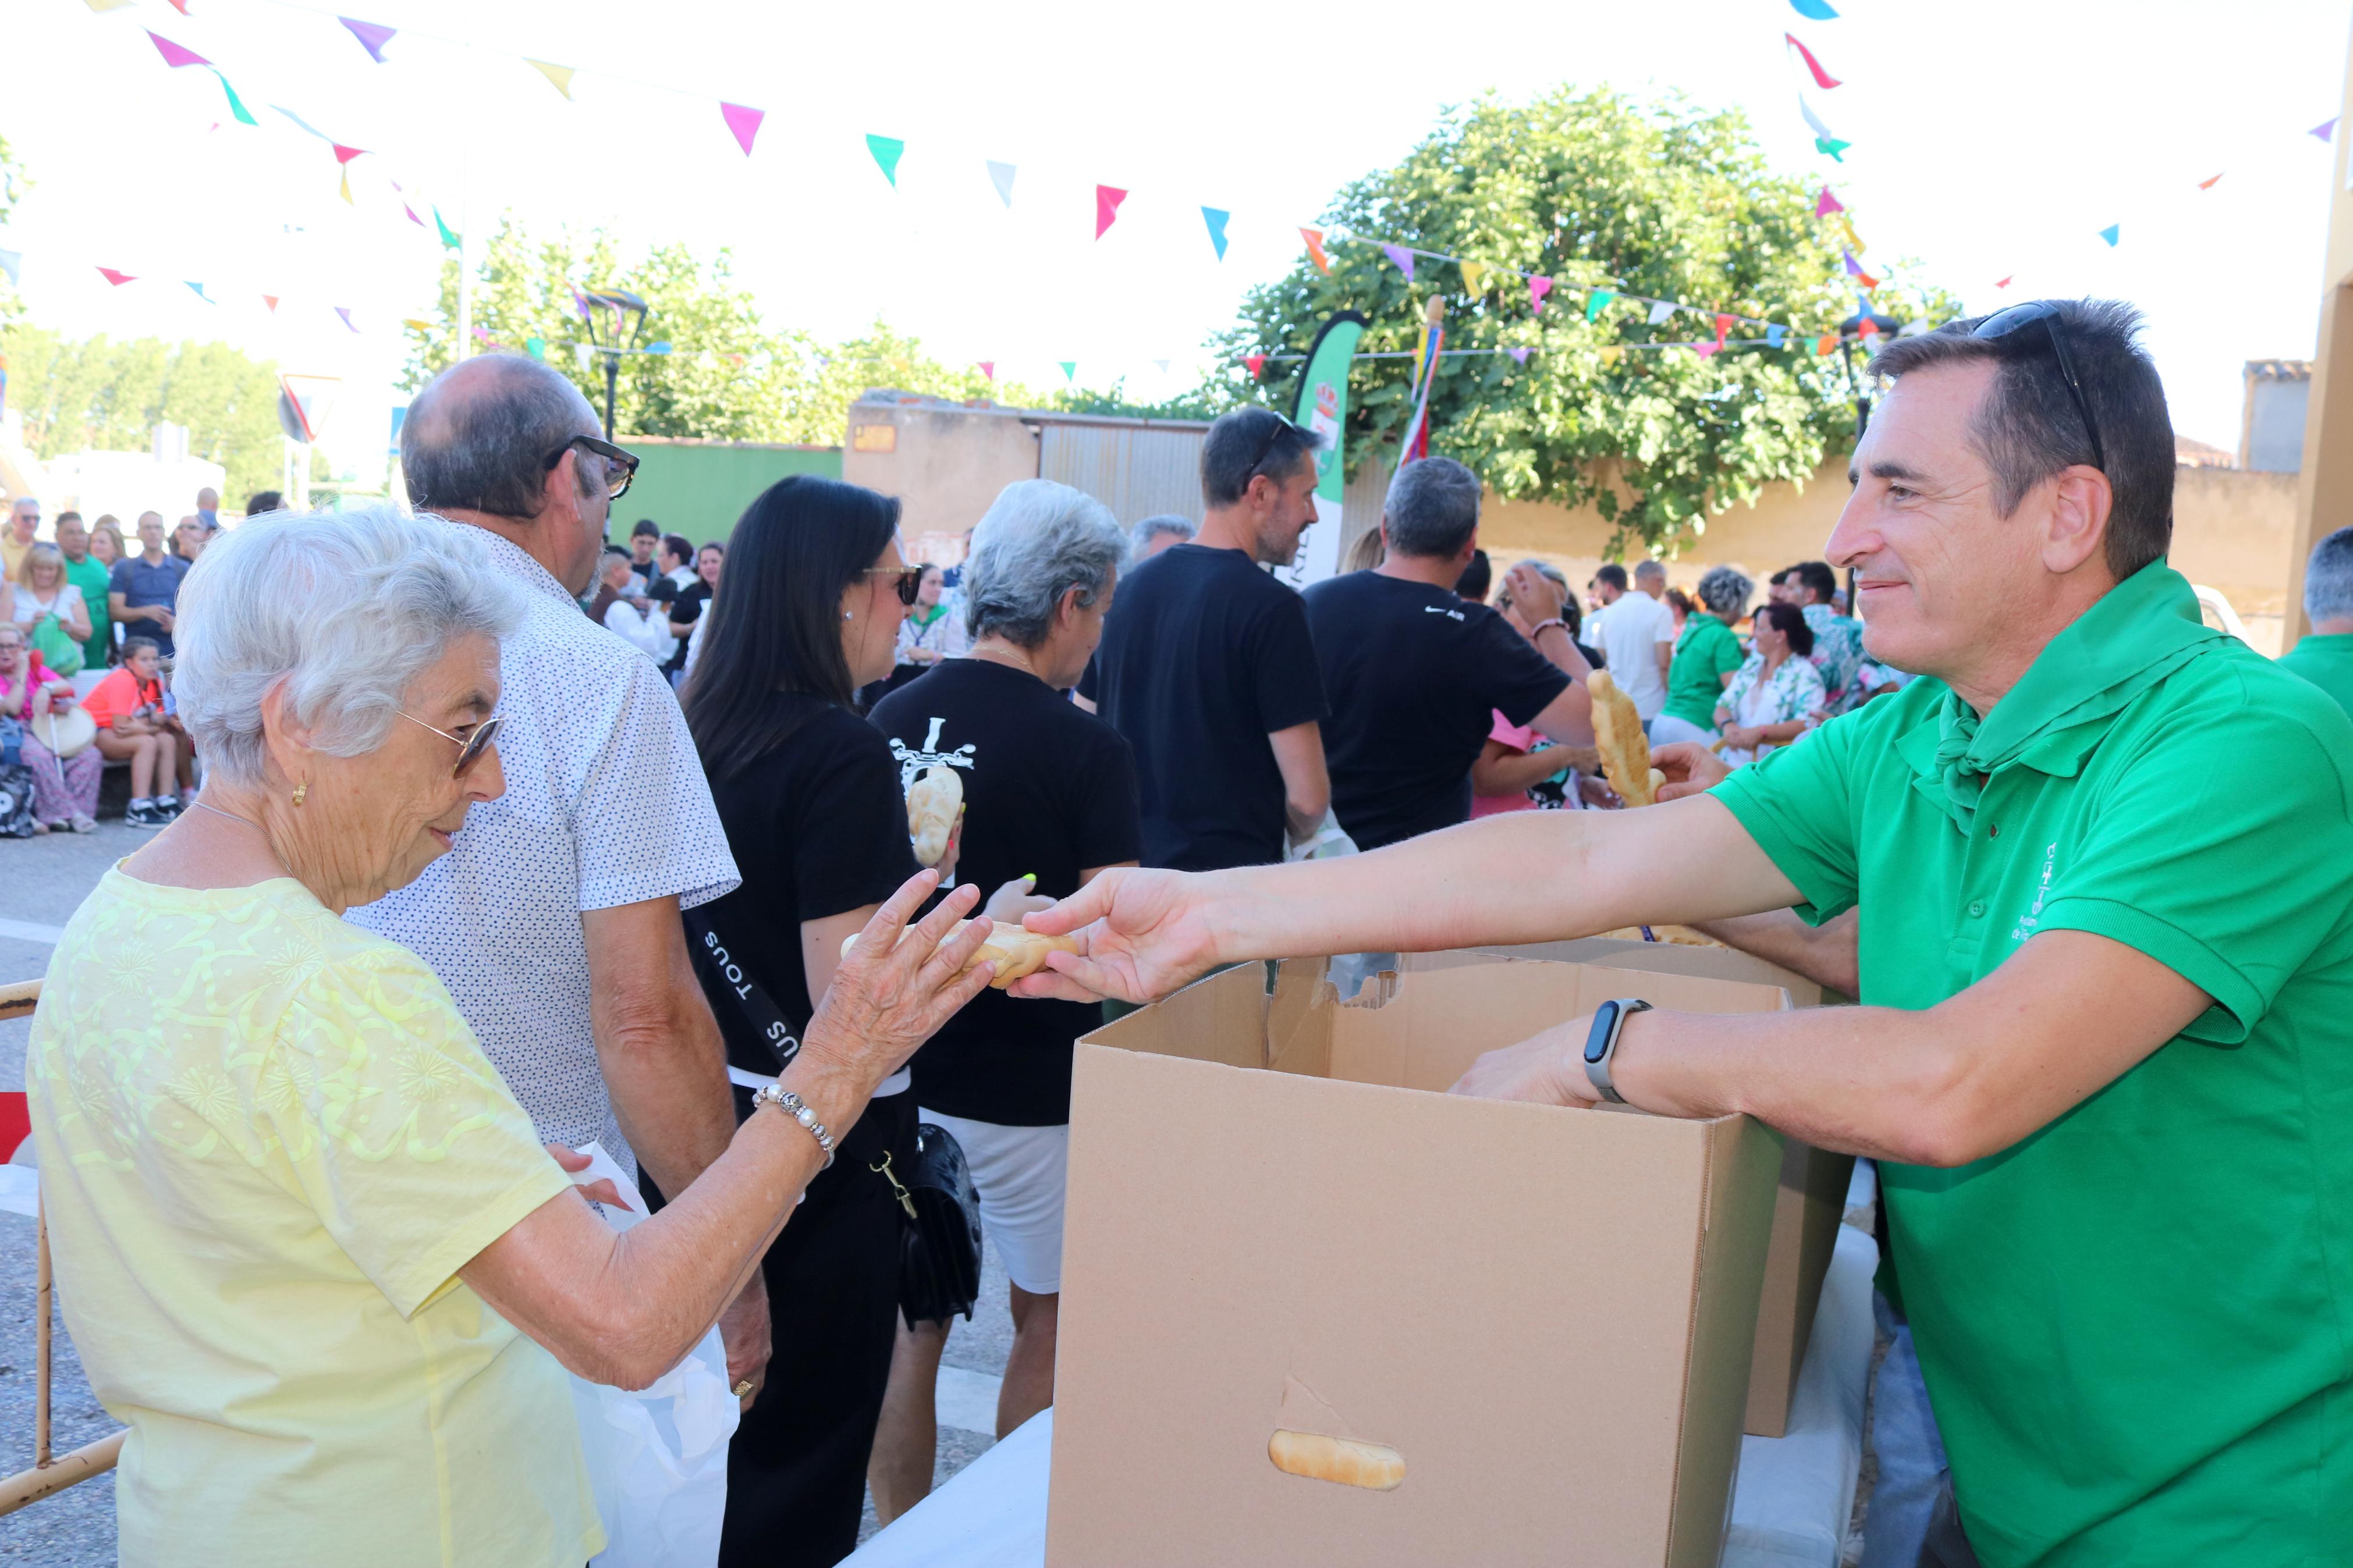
point(1048, 789)
point(1415, 677)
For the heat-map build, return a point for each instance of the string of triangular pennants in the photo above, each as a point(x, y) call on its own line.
point(1832, 144)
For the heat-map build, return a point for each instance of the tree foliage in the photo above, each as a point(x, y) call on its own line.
point(102, 395)
point(727, 376)
point(1594, 192)
point(12, 186)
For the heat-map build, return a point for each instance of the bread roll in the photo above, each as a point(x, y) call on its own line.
point(1375, 1466)
point(1618, 736)
point(1015, 951)
point(933, 802)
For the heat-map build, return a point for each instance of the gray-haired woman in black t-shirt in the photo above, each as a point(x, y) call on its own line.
point(1050, 792)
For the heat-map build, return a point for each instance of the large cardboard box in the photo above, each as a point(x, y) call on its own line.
point(1278, 1222)
point(1811, 1201)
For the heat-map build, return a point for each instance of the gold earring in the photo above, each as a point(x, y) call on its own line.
point(299, 790)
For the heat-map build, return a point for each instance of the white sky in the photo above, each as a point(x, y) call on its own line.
point(1991, 137)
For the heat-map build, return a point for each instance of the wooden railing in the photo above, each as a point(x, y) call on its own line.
point(49, 1474)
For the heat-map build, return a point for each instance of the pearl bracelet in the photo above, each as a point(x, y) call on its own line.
point(785, 1100)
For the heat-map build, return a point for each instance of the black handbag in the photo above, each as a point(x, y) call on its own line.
point(939, 1255)
point(939, 1259)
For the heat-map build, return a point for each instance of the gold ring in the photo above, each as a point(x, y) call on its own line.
point(742, 1388)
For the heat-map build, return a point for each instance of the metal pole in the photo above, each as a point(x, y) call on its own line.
point(612, 384)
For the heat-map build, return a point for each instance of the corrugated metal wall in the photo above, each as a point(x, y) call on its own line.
point(1136, 472)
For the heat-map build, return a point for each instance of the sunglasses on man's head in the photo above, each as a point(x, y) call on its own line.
point(620, 466)
point(2001, 323)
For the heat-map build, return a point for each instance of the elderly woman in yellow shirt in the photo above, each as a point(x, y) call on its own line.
point(311, 1252)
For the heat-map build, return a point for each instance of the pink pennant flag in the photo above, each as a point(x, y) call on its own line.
point(270, 301)
point(371, 36)
point(1704, 350)
point(175, 56)
point(346, 154)
point(989, 369)
point(1822, 78)
point(1722, 325)
point(181, 6)
point(1256, 362)
point(1107, 200)
point(1827, 203)
point(1538, 287)
point(345, 312)
point(117, 278)
point(1402, 257)
point(744, 122)
point(1522, 354)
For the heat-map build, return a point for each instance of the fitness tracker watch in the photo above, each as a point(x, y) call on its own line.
point(1602, 1044)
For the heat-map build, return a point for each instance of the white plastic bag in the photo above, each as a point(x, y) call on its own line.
point(657, 1457)
point(1328, 842)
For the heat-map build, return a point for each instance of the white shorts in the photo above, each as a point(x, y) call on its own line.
point(1020, 1174)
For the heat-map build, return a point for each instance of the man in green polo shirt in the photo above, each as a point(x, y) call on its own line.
point(87, 574)
point(2105, 1052)
point(2323, 655)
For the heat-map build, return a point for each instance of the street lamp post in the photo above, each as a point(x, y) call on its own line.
point(604, 333)
point(1849, 331)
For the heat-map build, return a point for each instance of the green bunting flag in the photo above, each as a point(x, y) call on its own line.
point(449, 240)
point(1599, 301)
point(1070, 371)
point(886, 151)
point(1831, 145)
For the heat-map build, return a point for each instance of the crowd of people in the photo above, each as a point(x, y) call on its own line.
point(512, 837)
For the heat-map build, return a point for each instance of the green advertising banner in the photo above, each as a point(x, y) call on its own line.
point(1323, 407)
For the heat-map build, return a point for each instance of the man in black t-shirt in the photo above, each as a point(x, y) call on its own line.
point(1416, 675)
point(1207, 668)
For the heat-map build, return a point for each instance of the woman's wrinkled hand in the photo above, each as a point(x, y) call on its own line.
point(601, 1190)
point(1142, 935)
point(1691, 769)
point(897, 984)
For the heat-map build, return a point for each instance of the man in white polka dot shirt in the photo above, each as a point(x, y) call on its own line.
point(554, 919)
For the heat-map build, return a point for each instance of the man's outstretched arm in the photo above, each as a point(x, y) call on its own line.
point(1146, 933)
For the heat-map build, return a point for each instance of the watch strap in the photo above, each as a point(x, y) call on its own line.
point(1601, 1045)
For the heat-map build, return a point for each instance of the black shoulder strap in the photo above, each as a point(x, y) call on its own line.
point(715, 962)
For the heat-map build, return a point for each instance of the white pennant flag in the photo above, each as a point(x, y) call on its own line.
point(1815, 121)
point(1001, 176)
point(1162, 365)
point(1659, 310)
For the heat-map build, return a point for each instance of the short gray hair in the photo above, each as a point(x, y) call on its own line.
point(482, 443)
point(344, 609)
point(1140, 537)
point(1432, 508)
point(1037, 541)
point(1725, 591)
point(1651, 569)
point(2328, 578)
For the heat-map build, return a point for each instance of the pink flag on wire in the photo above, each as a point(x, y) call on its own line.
point(744, 122)
point(1537, 288)
point(1107, 200)
point(117, 278)
point(173, 54)
point(1827, 203)
point(1822, 78)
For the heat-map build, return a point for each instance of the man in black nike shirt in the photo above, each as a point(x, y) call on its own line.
point(1416, 675)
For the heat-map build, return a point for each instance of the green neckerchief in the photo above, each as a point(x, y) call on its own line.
point(2145, 628)
point(921, 619)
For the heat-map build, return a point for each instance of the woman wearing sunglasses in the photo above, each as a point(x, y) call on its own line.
point(808, 791)
point(312, 1253)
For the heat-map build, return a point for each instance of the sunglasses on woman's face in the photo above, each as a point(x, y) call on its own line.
point(470, 746)
point(909, 580)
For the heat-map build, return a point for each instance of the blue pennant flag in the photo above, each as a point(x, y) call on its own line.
point(1217, 222)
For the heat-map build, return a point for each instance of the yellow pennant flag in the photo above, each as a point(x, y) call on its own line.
point(1609, 356)
point(558, 77)
point(422, 326)
point(347, 187)
point(1474, 273)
